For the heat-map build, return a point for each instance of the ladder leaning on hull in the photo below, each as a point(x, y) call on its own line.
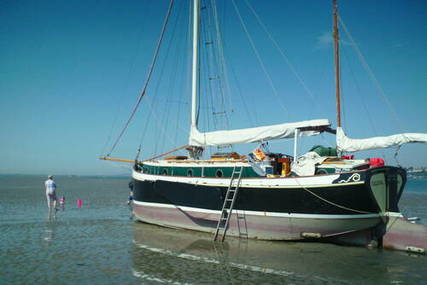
point(230, 198)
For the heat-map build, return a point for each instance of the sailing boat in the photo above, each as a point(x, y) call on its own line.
point(266, 195)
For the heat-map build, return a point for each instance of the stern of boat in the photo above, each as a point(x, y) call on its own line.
point(386, 184)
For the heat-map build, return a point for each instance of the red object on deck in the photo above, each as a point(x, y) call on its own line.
point(347, 156)
point(376, 162)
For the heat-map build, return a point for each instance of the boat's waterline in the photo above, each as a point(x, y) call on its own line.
point(255, 224)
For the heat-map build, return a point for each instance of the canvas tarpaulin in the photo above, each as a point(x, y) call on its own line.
point(257, 134)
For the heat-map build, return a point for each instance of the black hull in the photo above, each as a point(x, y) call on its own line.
point(337, 200)
point(334, 199)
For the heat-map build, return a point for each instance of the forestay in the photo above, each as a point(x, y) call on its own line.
point(257, 134)
point(345, 144)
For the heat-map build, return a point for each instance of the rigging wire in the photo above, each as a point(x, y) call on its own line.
point(205, 81)
point(120, 165)
point(173, 78)
point(251, 115)
point(163, 154)
point(159, 126)
point(182, 82)
point(153, 101)
point(371, 74)
point(204, 87)
point(221, 62)
point(150, 72)
point(269, 79)
point(213, 64)
point(129, 72)
point(156, 92)
point(362, 100)
point(185, 83)
point(283, 54)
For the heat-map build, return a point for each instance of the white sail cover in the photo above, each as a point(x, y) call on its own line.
point(345, 144)
point(257, 134)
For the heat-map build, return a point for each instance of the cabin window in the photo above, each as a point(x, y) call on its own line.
point(164, 172)
point(219, 173)
point(190, 172)
point(145, 170)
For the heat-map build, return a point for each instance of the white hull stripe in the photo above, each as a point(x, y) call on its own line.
point(258, 213)
point(302, 182)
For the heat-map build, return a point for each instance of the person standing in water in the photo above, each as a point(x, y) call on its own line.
point(50, 192)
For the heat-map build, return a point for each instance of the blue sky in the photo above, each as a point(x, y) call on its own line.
point(71, 71)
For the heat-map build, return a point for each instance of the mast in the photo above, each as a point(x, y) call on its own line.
point(337, 62)
point(195, 70)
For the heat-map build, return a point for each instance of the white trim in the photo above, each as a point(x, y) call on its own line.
point(257, 213)
point(321, 181)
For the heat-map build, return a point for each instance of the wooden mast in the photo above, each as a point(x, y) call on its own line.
point(337, 63)
point(195, 65)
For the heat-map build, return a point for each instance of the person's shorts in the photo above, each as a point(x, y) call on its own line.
point(52, 197)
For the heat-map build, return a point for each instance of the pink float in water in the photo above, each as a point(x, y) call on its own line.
point(79, 203)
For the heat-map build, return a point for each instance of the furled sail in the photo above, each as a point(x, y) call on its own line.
point(345, 144)
point(257, 134)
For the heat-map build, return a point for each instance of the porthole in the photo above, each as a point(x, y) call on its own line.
point(190, 172)
point(218, 173)
point(164, 172)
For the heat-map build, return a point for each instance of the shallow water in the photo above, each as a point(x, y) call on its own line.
point(100, 244)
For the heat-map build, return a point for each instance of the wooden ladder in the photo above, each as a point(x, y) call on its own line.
point(230, 198)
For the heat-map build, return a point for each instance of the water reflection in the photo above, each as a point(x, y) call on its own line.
point(49, 232)
point(178, 256)
point(50, 225)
